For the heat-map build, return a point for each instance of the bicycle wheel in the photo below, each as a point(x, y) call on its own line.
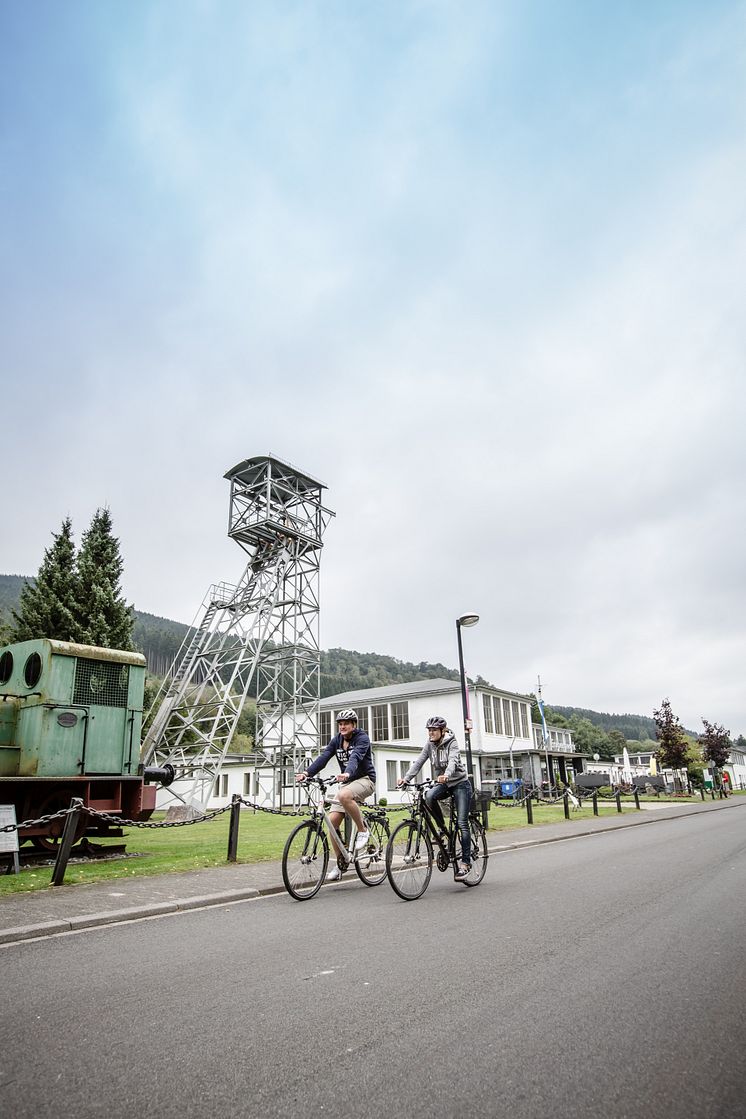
point(478, 854)
point(304, 860)
point(370, 864)
point(409, 860)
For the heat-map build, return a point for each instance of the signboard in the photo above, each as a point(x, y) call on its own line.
point(9, 839)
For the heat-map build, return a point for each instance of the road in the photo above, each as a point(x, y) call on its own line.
point(599, 976)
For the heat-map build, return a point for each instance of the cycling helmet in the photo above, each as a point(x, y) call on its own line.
point(348, 715)
point(435, 723)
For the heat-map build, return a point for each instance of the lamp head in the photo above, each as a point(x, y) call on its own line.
point(467, 620)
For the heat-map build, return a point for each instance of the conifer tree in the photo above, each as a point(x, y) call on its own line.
point(48, 606)
point(104, 616)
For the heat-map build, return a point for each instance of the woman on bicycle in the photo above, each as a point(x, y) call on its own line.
point(451, 779)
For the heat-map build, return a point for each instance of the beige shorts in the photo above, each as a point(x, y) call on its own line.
point(361, 790)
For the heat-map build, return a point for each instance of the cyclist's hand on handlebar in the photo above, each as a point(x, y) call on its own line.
point(442, 779)
point(342, 777)
point(401, 783)
point(301, 778)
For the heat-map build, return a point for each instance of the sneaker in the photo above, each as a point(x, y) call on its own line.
point(462, 872)
point(333, 875)
point(362, 840)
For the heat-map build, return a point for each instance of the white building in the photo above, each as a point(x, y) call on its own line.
point(504, 743)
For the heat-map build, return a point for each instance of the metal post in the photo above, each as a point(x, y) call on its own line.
point(233, 829)
point(68, 839)
point(465, 620)
point(618, 801)
point(529, 810)
point(566, 804)
point(636, 793)
point(595, 803)
point(702, 791)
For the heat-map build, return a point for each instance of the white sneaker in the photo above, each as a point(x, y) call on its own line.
point(362, 841)
point(333, 875)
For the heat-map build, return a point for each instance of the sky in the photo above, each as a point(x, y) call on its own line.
point(479, 267)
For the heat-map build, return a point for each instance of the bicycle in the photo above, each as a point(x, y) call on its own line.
point(306, 855)
point(409, 855)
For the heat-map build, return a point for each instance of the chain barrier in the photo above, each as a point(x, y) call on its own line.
point(42, 820)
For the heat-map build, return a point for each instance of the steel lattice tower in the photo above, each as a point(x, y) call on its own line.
point(264, 630)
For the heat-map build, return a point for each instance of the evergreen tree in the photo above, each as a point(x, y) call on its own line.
point(48, 606)
point(105, 618)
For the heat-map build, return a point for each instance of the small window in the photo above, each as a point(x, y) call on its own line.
point(380, 723)
point(6, 666)
point(391, 776)
point(489, 726)
point(325, 728)
point(32, 671)
point(400, 721)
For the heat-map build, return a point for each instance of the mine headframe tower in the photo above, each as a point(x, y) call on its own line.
point(264, 632)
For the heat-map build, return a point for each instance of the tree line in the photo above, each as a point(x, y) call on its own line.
point(76, 595)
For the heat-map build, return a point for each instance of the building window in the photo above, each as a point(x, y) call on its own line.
point(325, 728)
point(225, 784)
point(390, 776)
point(516, 720)
point(399, 721)
point(498, 711)
point(506, 718)
point(247, 784)
point(489, 726)
point(380, 723)
point(524, 721)
point(362, 718)
point(216, 790)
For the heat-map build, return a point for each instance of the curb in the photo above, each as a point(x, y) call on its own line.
point(159, 909)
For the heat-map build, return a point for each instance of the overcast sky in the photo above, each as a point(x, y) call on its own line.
point(479, 267)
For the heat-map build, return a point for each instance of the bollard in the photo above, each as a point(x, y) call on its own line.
point(636, 792)
point(566, 804)
point(618, 801)
point(702, 791)
point(712, 792)
point(529, 810)
point(233, 829)
point(595, 802)
point(69, 834)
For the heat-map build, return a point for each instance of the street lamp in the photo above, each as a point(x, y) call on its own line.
point(465, 620)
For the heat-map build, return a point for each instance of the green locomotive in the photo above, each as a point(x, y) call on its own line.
point(70, 726)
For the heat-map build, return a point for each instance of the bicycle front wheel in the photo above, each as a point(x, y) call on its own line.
point(370, 864)
point(304, 861)
point(478, 854)
point(409, 860)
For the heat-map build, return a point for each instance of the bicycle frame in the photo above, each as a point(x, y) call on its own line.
point(319, 812)
point(420, 813)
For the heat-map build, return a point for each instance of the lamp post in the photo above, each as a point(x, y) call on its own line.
point(465, 620)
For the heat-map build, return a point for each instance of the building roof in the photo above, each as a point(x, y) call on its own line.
point(416, 687)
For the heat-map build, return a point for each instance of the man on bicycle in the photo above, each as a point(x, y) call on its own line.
point(358, 777)
point(451, 779)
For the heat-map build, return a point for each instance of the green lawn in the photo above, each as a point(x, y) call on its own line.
point(261, 838)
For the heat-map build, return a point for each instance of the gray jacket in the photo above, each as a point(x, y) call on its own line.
point(444, 758)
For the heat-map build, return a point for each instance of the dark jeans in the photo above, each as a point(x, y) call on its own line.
point(461, 794)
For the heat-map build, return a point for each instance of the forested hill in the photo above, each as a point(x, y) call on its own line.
point(343, 670)
point(633, 727)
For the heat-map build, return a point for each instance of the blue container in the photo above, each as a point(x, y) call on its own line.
point(510, 788)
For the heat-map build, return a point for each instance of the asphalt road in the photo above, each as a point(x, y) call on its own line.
point(600, 976)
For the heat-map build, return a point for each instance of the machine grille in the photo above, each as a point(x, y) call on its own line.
point(100, 683)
